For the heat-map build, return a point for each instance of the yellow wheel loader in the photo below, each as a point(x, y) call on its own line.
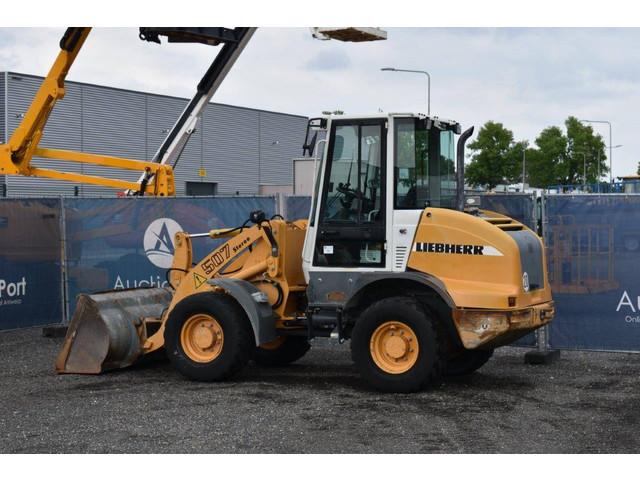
point(390, 258)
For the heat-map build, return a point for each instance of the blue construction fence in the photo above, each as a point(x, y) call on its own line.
point(128, 243)
point(52, 249)
point(31, 282)
point(593, 250)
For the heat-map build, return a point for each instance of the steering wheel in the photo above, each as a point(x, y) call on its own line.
point(350, 194)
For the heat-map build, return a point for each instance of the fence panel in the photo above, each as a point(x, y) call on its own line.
point(128, 242)
point(519, 206)
point(297, 207)
point(30, 262)
point(593, 248)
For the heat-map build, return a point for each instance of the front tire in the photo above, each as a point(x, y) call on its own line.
point(396, 347)
point(208, 337)
point(281, 352)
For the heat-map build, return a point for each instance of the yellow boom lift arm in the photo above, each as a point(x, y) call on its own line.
point(16, 156)
point(156, 177)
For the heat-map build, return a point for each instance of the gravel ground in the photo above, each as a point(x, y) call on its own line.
point(586, 402)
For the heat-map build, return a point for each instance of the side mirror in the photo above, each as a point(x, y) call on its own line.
point(310, 143)
point(310, 146)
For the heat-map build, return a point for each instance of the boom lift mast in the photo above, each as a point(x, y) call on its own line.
point(235, 41)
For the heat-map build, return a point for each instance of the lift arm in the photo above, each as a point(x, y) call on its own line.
point(16, 155)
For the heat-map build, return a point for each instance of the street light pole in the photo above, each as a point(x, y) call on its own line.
point(524, 159)
point(610, 146)
point(391, 69)
point(599, 174)
point(584, 168)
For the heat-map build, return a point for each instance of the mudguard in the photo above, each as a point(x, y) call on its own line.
point(255, 304)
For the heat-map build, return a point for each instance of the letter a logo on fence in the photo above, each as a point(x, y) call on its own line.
point(158, 241)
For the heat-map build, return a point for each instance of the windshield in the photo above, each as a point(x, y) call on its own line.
point(424, 166)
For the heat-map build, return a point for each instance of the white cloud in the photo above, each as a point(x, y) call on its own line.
point(527, 79)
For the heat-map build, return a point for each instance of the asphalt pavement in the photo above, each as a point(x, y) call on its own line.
point(584, 403)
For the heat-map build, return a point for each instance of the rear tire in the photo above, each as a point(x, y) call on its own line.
point(278, 354)
point(467, 362)
point(208, 337)
point(396, 346)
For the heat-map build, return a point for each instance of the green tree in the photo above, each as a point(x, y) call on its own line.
point(493, 161)
point(570, 158)
point(585, 149)
point(545, 165)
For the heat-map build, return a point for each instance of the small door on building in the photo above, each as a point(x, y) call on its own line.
point(201, 189)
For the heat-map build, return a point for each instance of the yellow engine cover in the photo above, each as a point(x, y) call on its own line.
point(477, 258)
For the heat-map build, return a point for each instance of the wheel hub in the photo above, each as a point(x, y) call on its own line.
point(202, 338)
point(394, 347)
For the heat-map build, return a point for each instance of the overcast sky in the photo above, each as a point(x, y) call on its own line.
point(527, 79)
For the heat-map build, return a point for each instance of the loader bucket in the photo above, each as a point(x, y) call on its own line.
point(107, 329)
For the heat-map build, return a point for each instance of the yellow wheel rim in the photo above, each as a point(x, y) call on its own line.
point(394, 347)
point(274, 344)
point(202, 338)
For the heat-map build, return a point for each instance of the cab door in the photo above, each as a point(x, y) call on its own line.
point(351, 221)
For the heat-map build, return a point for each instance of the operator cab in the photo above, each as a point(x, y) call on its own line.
point(373, 178)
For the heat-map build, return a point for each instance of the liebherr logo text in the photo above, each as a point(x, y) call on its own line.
point(456, 249)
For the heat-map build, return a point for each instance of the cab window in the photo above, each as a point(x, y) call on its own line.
point(424, 166)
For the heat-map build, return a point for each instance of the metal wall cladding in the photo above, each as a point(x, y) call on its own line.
point(593, 249)
point(30, 263)
point(280, 135)
point(231, 148)
point(237, 148)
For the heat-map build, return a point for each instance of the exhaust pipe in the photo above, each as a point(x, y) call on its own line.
point(460, 168)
